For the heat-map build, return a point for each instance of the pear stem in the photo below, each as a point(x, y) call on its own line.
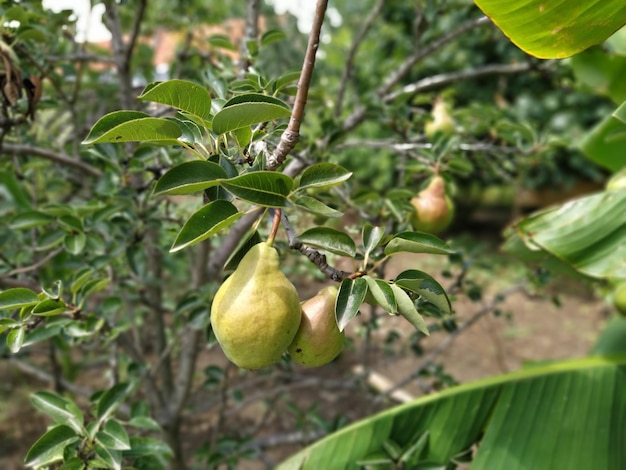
point(275, 225)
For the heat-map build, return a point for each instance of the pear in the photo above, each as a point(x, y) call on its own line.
point(256, 312)
point(318, 340)
point(433, 208)
point(441, 122)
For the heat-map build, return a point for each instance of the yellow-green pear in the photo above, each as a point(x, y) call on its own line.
point(318, 340)
point(433, 208)
point(256, 312)
point(441, 122)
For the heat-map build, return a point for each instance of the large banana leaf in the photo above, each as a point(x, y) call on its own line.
point(586, 235)
point(565, 415)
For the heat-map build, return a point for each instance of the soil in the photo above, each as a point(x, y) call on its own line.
point(291, 406)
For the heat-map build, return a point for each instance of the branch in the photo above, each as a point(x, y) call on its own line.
point(360, 113)
point(348, 70)
point(290, 137)
point(20, 149)
point(437, 81)
point(251, 31)
point(314, 256)
point(36, 265)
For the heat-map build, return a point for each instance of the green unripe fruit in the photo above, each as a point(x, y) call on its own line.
point(434, 210)
point(256, 312)
point(441, 122)
point(318, 340)
point(619, 298)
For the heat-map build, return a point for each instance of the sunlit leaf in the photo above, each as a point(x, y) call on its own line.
point(381, 293)
point(323, 175)
point(406, 308)
point(328, 239)
point(245, 110)
point(59, 408)
point(264, 188)
point(49, 447)
point(180, 94)
point(190, 177)
point(131, 126)
point(426, 286)
point(587, 234)
point(605, 144)
point(556, 29)
point(527, 419)
point(204, 223)
point(315, 206)
point(350, 297)
point(17, 297)
point(417, 242)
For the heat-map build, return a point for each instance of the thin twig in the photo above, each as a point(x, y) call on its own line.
point(290, 137)
point(251, 33)
point(20, 149)
point(359, 114)
point(314, 256)
point(36, 265)
point(349, 67)
point(444, 79)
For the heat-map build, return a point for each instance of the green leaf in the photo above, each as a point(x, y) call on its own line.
point(109, 458)
point(49, 447)
point(132, 126)
point(17, 297)
point(248, 109)
point(605, 143)
point(407, 309)
point(204, 223)
point(221, 41)
point(426, 286)
point(586, 234)
point(190, 177)
point(323, 175)
point(417, 242)
point(49, 307)
point(271, 36)
point(30, 219)
point(350, 297)
point(556, 29)
point(531, 419)
point(111, 399)
point(113, 436)
point(80, 278)
point(140, 446)
point(15, 339)
point(372, 236)
point(620, 113)
point(601, 72)
point(71, 223)
point(75, 243)
point(315, 206)
point(382, 293)
point(60, 409)
point(180, 94)
point(144, 422)
point(329, 239)
point(264, 188)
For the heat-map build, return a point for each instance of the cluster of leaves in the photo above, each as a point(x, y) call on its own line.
point(100, 442)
